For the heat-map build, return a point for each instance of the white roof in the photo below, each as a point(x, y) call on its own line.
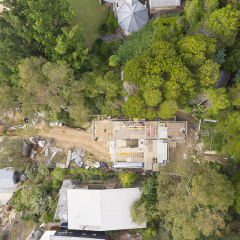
point(162, 152)
point(164, 3)
point(101, 210)
point(6, 180)
point(132, 16)
point(47, 235)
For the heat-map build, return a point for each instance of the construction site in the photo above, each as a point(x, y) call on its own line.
point(137, 143)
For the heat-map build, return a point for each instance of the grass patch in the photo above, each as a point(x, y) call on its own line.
point(89, 16)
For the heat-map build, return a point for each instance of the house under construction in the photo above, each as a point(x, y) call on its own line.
point(137, 143)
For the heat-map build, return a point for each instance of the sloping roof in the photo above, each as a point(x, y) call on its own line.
point(164, 3)
point(132, 16)
point(101, 210)
point(223, 79)
point(6, 180)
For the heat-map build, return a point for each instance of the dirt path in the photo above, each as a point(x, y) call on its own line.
point(68, 138)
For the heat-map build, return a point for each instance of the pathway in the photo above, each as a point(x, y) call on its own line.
point(118, 35)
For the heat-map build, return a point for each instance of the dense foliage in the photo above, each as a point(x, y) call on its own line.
point(186, 201)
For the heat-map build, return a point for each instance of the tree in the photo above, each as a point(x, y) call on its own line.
point(231, 124)
point(232, 61)
point(219, 56)
point(70, 47)
point(150, 82)
point(237, 77)
point(110, 85)
point(29, 28)
point(128, 179)
point(213, 189)
point(134, 107)
point(182, 208)
point(7, 95)
point(211, 5)
point(168, 109)
point(152, 97)
point(234, 3)
point(138, 212)
point(236, 183)
point(194, 11)
point(208, 73)
point(196, 49)
point(133, 71)
point(234, 95)
point(223, 24)
point(218, 99)
point(51, 88)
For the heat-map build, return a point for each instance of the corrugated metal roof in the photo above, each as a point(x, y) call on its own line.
point(101, 210)
point(164, 3)
point(223, 79)
point(6, 180)
point(132, 16)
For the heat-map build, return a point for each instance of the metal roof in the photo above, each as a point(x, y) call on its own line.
point(132, 16)
point(164, 3)
point(6, 180)
point(101, 210)
point(223, 79)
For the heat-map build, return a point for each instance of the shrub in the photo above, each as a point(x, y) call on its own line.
point(104, 28)
point(114, 60)
point(128, 179)
point(105, 17)
point(60, 173)
point(236, 79)
point(111, 28)
point(44, 218)
point(115, 22)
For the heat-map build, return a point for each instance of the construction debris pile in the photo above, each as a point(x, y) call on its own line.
point(39, 149)
point(77, 155)
point(43, 148)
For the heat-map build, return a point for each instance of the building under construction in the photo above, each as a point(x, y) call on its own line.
point(137, 143)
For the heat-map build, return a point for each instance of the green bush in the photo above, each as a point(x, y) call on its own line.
point(104, 28)
point(114, 60)
point(115, 22)
point(105, 17)
point(111, 28)
point(128, 179)
point(110, 23)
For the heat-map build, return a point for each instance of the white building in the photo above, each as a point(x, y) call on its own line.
point(101, 210)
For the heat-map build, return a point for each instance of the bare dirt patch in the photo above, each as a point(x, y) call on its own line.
point(67, 138)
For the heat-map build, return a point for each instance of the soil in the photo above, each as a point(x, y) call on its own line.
point(67, 138)
point(188, 147)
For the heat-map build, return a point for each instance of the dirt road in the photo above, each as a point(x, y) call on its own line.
point(69, 138)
